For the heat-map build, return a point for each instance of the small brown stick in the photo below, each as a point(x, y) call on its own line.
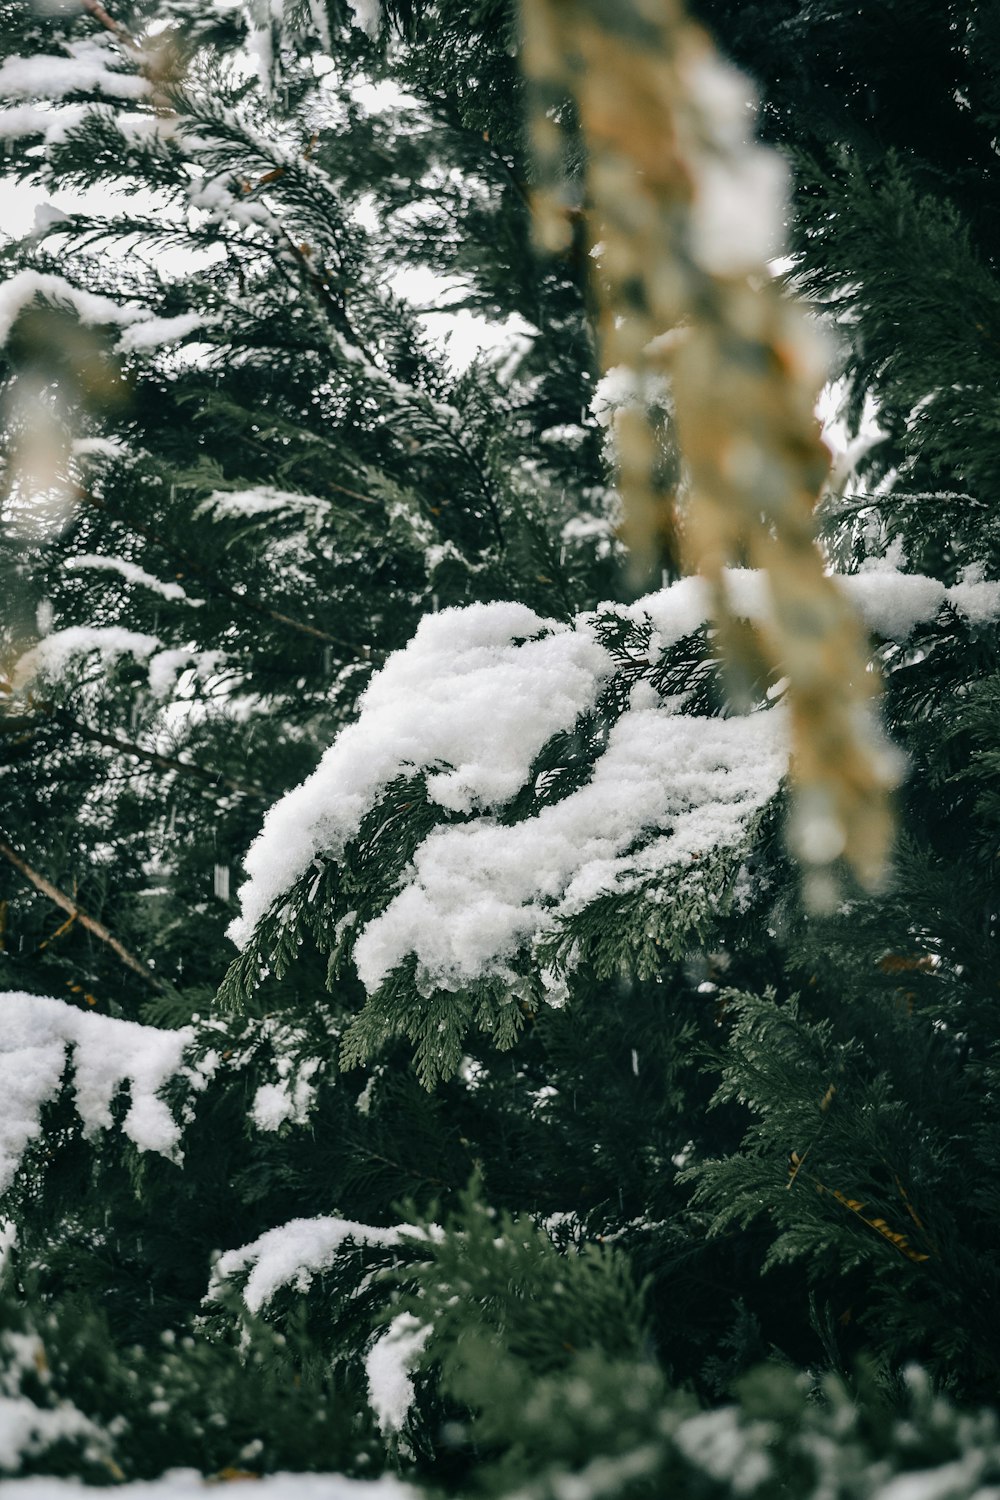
point(98, 929)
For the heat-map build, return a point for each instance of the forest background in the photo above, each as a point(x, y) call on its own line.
point(565, 1105)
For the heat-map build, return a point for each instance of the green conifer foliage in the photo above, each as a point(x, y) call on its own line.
point(504, 1162)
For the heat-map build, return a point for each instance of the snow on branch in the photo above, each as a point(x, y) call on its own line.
point(41, 1038)
point(143, 330)
point(477, 693)
point(479, 892)
point(292, 1254)
point(53, 653)
point(469, 705)
point(131, 573)
point(389, 1364)
point(52, 77)
point(93, 310)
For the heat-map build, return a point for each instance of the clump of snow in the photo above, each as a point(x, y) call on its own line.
point(472, 700)
point(30, 119)
point(40, 1037)
point(478, 691)
point(21, 289)
point(975, 597)
point(152, 332)
point(570, 433)
point(292, 1254)
point(367, 14)
point(52, 654)
point(480, 891)
point(27, 1430)
point(53, 77)
point(47, 216)
point(131, 572)
point(622, 388)
point(261, 500)
point(893, 604)
point(164, 666)
point(143, 330)
point(98, 447)
point(600, 532)
point(730, 1451)
point(290, 1099)
point(388, 1366)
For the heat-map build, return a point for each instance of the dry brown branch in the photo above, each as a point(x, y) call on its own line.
point(68, 905)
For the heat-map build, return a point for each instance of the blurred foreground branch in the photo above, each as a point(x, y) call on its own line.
point(683, 212)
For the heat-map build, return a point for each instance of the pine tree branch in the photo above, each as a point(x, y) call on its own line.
point(211, 581)
point(27, 723)
point(216, 779)
point(92, 925)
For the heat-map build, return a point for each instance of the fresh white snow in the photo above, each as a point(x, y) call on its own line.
point(21, 289)
point(292, 1254)
point(41, 1037)
point(480, 891)
point(131, 572)
point(478, 691)
point(152, 332)
point(470, 702)
point(142, 328)
point(27, 1429)
point(389, 1364)
point(53, 653)
point(50, 76)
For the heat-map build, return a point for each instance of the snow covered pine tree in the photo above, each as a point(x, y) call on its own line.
point(539, 1142)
